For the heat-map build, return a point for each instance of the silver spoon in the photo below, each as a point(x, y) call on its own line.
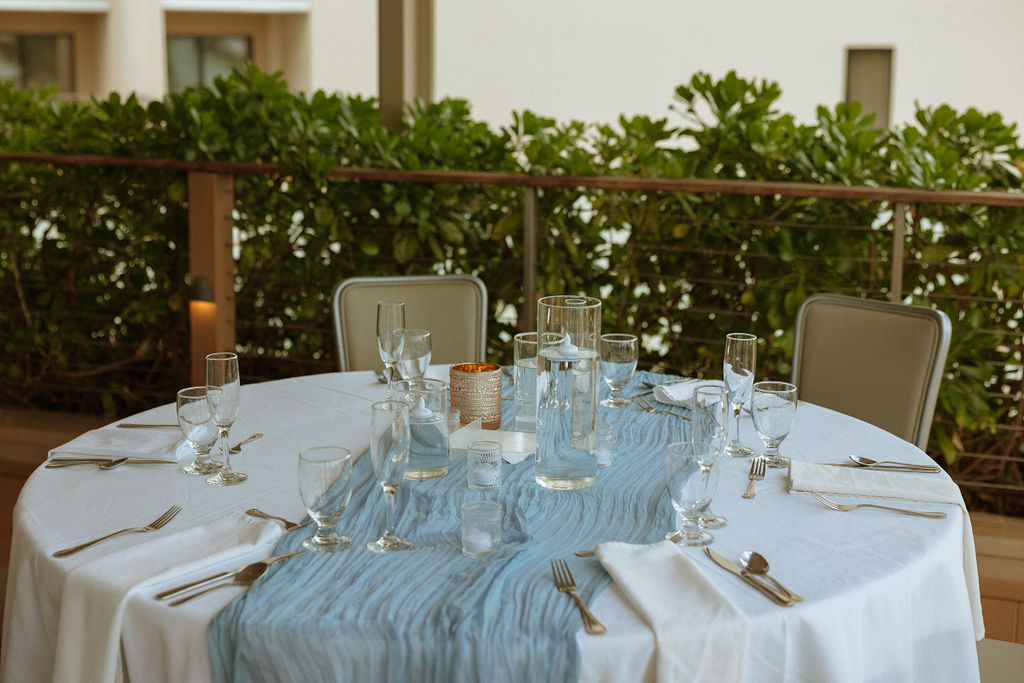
point(868, 462)
point(102, 464)
point(755, 563)
point(246, 577)
point(237, 448)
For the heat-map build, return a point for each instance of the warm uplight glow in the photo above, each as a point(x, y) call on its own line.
point(202, 318)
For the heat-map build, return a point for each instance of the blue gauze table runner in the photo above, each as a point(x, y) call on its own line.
point(431, 614)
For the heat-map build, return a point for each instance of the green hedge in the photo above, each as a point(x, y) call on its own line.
point(94, 271)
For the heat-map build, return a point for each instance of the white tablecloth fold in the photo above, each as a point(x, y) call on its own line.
point(805, 477)
point(700, 635)
point(137, 443)
point(96, 592)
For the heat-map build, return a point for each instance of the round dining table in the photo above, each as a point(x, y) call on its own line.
point(885, 596)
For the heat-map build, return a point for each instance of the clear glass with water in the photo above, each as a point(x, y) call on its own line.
point(567, 384)
point(524, 379)
point(428, 427)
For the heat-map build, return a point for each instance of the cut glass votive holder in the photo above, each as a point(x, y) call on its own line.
point(483, 465)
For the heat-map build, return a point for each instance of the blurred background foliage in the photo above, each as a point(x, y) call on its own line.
point(94, 268)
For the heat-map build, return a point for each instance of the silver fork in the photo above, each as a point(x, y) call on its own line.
point(646, 405)
point(756, 475)
point(288, 525)
point(157, 523)
point(846, 508)
point(567, 584)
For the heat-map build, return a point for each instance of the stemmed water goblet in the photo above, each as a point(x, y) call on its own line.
point(223, 392)
point(390, 336)
point(689, 475)
point(325, 484)
point(618, 363)
point(389, 451)
point(738, 373)
point(195, 419)
point(773, 407)
point(415, 357)
point(710, 412)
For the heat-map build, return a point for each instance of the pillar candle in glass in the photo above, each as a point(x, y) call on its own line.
point(566, 456)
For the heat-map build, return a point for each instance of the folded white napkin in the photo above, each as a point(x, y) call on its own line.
point(806, 477)
point(700, 635)
point(95, 593)
point(136, 443)
point(680, 393)
point(515, 446)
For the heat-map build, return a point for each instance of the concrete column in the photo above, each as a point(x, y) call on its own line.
point(405, 49)
point(133, 52)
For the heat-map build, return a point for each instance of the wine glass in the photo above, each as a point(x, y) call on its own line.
point(689, 470)
point(618, 363)
point(415, 354)
point(195, 419)
point(389, 451)
point(196, 422)
point(773, 407)
point(222, 377)
point(390, 335)
point(738, 372)
point(710, 413)
point(325, 484)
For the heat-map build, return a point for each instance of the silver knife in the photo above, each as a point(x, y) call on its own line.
point(138, 425)
point(889, 468)
point(734, 568)
point(69, 462)
point(222, 575)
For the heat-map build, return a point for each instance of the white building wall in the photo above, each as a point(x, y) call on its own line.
point(343, 37)
point(590, 60)
point(596, 59)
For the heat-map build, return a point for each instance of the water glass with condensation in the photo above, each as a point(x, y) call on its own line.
point(481, 527)
point(524, 380)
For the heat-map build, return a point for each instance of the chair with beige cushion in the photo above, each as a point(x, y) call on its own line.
point(880, 362)
point(452, 307)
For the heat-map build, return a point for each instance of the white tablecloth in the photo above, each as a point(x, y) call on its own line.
point(885, 594)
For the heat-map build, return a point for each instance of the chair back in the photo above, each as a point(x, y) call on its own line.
point(878, 361)
point(452, 307)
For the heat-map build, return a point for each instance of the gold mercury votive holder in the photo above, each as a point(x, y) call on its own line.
point(476, 392)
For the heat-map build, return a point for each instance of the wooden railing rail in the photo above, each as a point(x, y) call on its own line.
point(602, 182)
point(211, 198)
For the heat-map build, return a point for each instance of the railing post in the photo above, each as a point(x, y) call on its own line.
point(899, 234)
point(211, 200)
point(528, 317)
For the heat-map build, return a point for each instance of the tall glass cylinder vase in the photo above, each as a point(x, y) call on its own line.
point(567, 375)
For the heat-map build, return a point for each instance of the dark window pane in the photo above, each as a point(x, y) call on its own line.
point(32, 60)
point(869, 81)
point(10, 65)
point(196, 60)
point(221, 54)
point(182, 62)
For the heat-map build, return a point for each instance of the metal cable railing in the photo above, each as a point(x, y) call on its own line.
point(682, 313)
